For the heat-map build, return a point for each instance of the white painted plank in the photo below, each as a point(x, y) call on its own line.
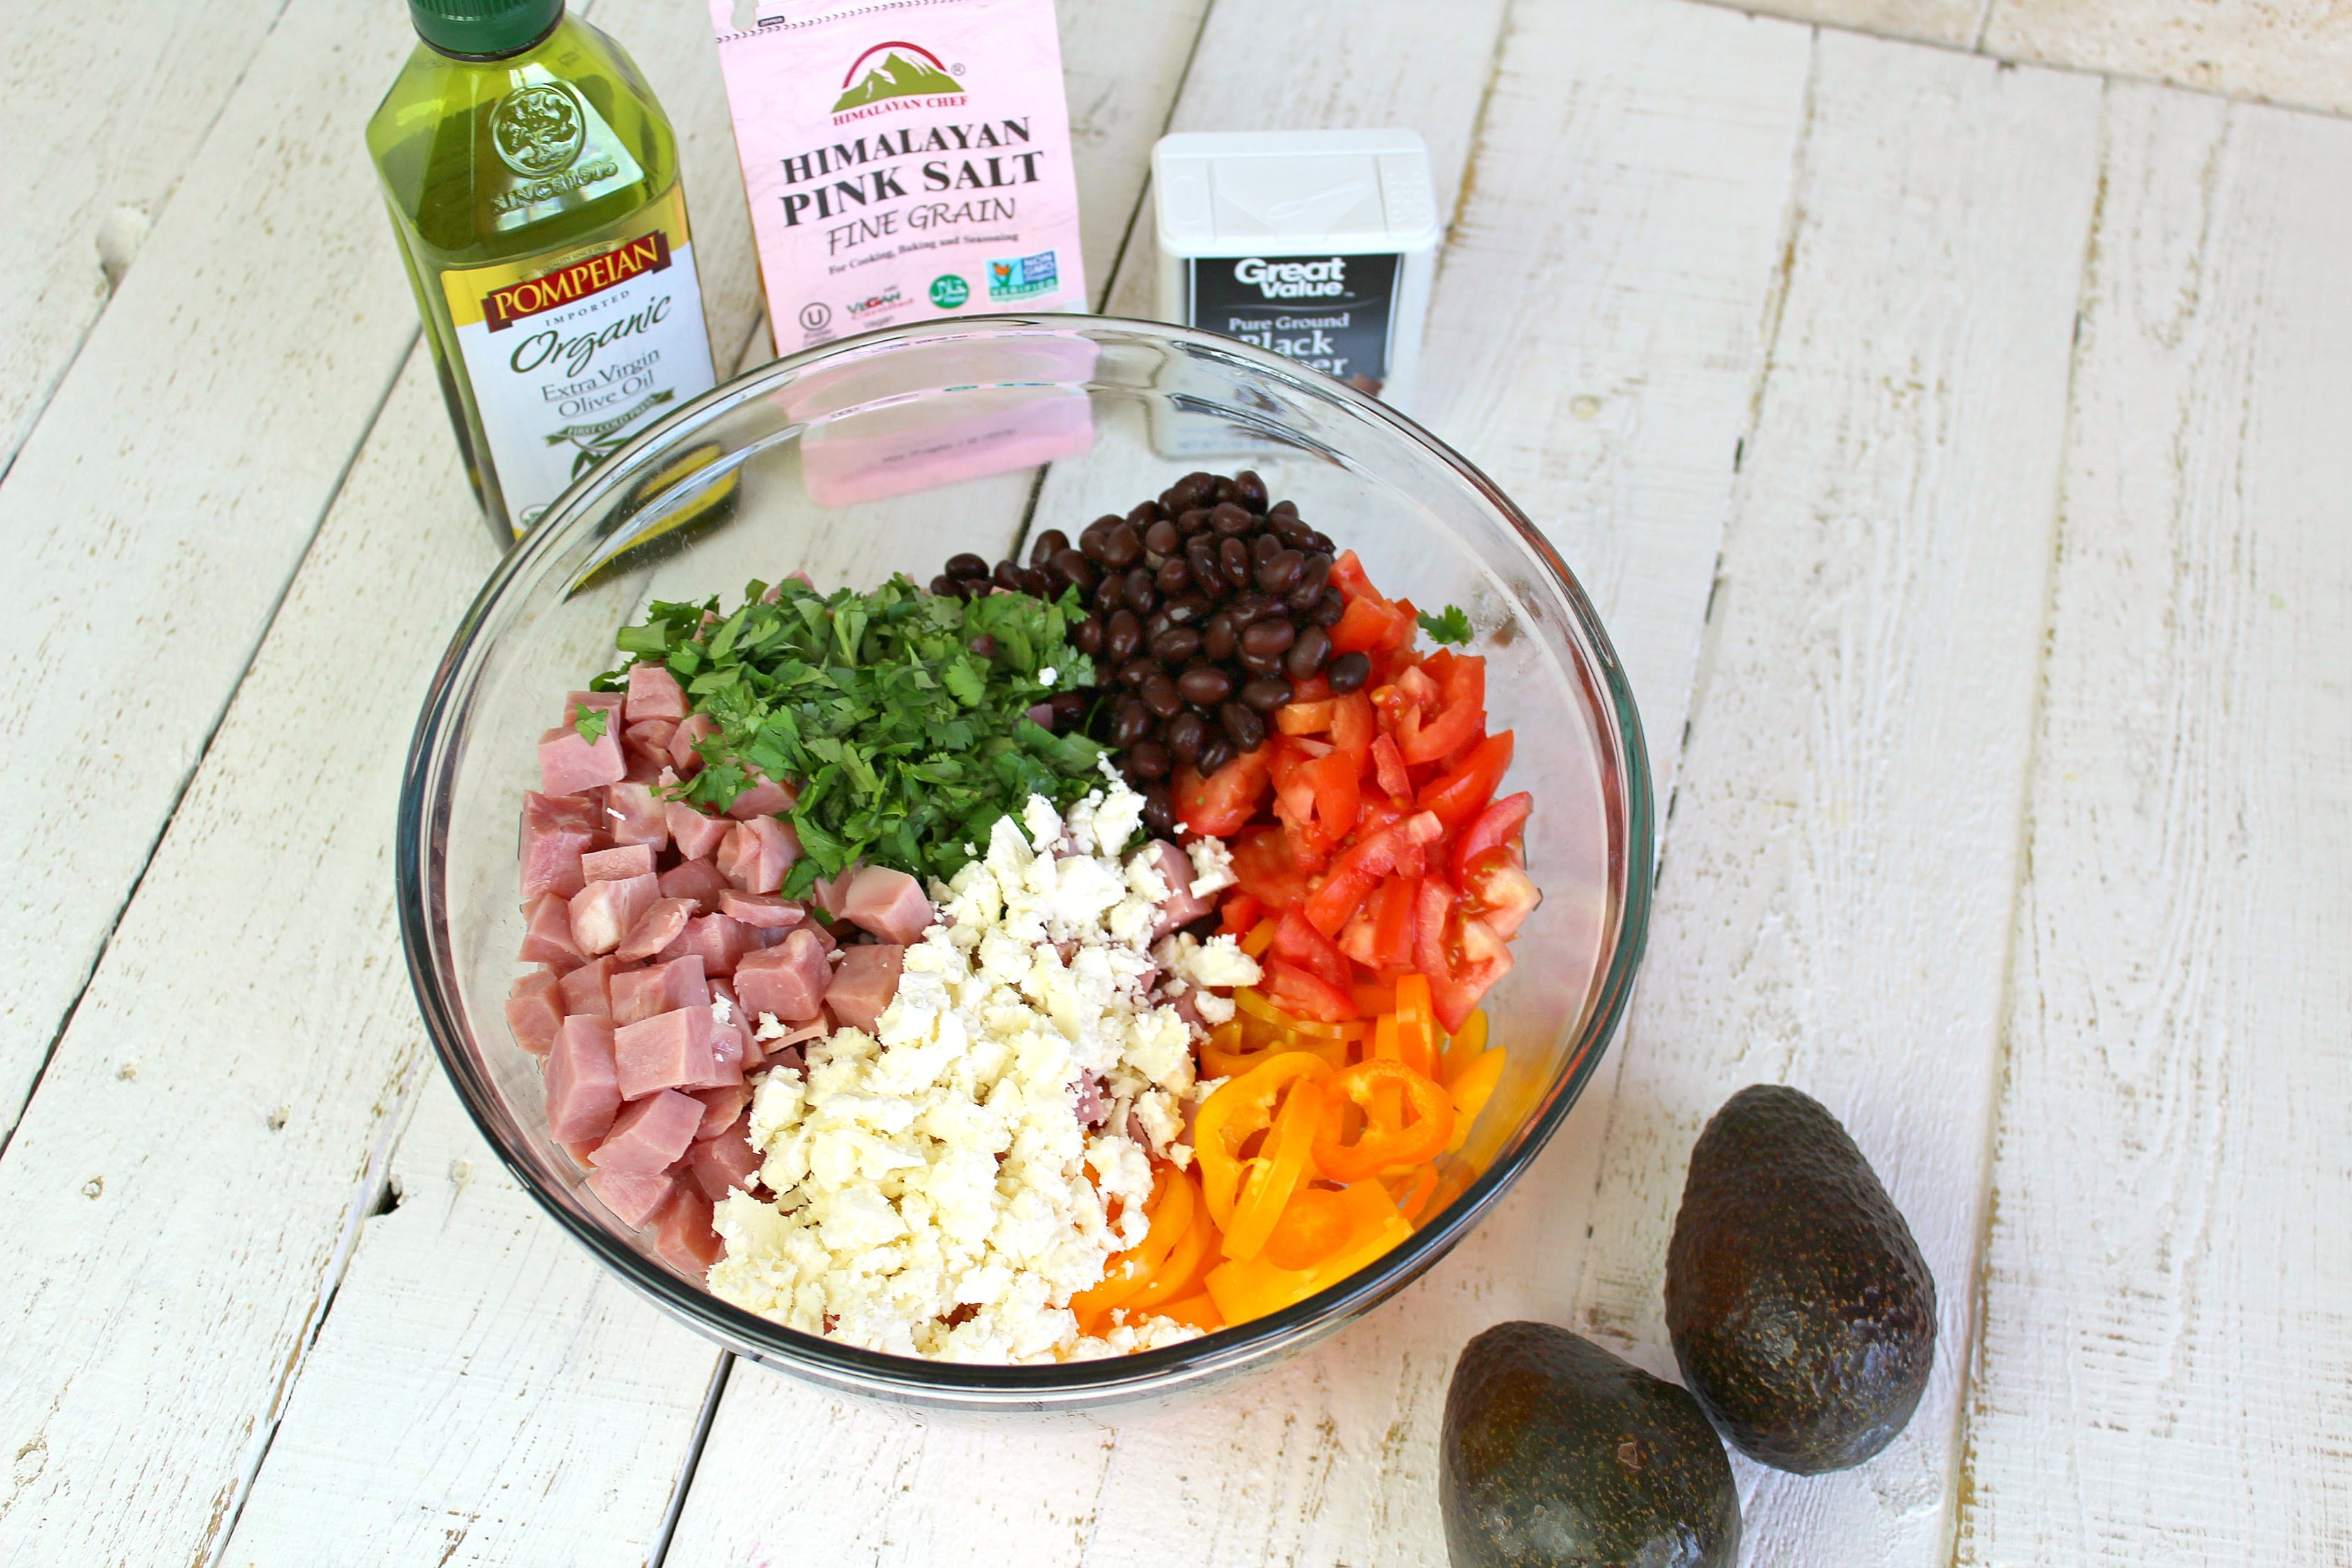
point(1636, 123)
point(2164, 1366)
point(2281, 51)
point(102, 109)
point(1834, 907)
point(538, 1421)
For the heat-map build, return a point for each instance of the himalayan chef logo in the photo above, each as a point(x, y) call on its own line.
point(538, 129)
point(905, 71)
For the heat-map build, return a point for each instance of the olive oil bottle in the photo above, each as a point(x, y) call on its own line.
point(533, 182)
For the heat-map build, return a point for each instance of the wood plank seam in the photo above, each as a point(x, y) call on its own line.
point(1143, 191)
point(657, 1550)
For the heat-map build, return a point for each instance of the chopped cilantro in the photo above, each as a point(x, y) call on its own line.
point(591, 723)
point(1451, 626)
point(906, 745)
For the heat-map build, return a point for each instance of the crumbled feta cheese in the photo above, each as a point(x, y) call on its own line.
point(937, 1168)
point(1212, 867)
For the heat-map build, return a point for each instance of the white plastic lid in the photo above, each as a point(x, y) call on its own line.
point(1231, 192)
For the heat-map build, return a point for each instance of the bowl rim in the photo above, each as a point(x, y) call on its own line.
point(420, 842)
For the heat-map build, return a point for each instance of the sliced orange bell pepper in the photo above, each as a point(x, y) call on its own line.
point(1227, 1118)
point(1313, 1228)
point(1275, 1172)
point(1253, 1289)
point(1196, 1312)
point(1180, 1272)
point(1171, 1207)
point(1407, 1139)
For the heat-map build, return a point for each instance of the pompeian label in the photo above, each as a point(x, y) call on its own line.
point(572, 352)
point(1332, 313)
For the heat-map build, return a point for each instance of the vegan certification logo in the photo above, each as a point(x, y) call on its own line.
point(948, 291)
point(538, 129)
point(904, 71)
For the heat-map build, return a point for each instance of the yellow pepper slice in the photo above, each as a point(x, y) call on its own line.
point(1171, 1206)
point(1276, 1172)
point(1180, 1273)
point(1470, 1092)
point(1465, 1048)
point(1255, 1004)
point(1227, 1118)
point(1245, 1290)
point(1260, 938)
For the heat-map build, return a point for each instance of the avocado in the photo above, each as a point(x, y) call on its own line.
point(1802, 1312)
point(1555, 1454)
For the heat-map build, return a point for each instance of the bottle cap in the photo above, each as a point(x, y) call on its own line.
point(483, 27)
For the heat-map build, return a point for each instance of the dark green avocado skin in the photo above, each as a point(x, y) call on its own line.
point(1555, 1454)
point(1803, 1314)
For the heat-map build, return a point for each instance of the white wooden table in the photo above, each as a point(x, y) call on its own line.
point(1960, 454)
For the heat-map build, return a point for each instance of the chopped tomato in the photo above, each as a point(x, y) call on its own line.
point(1388, 767)
point(1241, 911)
point(1332, 781)
point(1499, 893)
point(1498, 825)
point(1296, 942)
point(1267, 870)
point(1464, 713)
point(1359, 870)
point(1371, 625)
point(1313, 688)
point(1393, 909)
point(1295, 718)
point(1353, 727)
point(1222, 804)
point(1347, 576)
point(1463, 959)
point(1296, 990)
point(1459, 797)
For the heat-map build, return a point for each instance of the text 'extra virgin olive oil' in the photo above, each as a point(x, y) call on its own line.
point(533, 182)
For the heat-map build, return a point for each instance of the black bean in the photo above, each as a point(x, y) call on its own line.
point(1136, 671)
point(1174, 646)
point(1226, 490)
point(1144, 513)
point(1046, 545)
point(1233, 561)
point(1187, 609)
point(1250, 491)
point(1289, 529)
point(1069, 708)
point(1262, 548)
point(1163, 538)
point(1122, 547)
point(1250, 606)
point(1247, 729)
point(1268, 638)
point(1148, 759)
point(1108, 595)
point(1193, 522)
point(1261, 663)
point(1230, 522)
point(1141, 593)
point(1280, 573)
point(1332, 609)
point(1134, 722)
point(1205, 686)
point(1201, 555)
point(1122, 637)
point(1159, 809)
point(1087, 636)
point(1322, 542)
point(947, 587)
point(1173, 577)
point(982, 647)
point(1190, 491)
point(1184, 735)
point(1007, 575)
point(1159, 695)
point(1300, 602)
point(1349, 672)
point(1266, 693)
point(1158, 621)
point(1215, 752)
point(1218, 639)
point(967, 565)
point(1036, 583)
point(1072, 564)
point(1289, 507)
point(1308, 654)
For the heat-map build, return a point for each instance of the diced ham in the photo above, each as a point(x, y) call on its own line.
point(604, 912)
point(682, 754)
point(863, 983)
point(1180, 908)
point(887, 902)
point(535, 1010)
point(649, 742)
point(583, 1093)
point(569, 761)
point(655, 693)
point(827, 892)
point(677, 1049)
point(616, 864)
point(556, 831)
point(634, 815)
point(720, 1107)
point(733, 1025)
point(649, 1133)
point(581, 1149)
point(764, 798)
point(683, 1237)
point(698, 837)
point(718, 1165)
point(578, 702)
point(642, 993)
point(633, 1198)
point(660, 925)
point(765, 909)
point(787, 982)
point(719, 939)
point(756, 854)
point(589, 988)
point(547, 935)
point(698, 880)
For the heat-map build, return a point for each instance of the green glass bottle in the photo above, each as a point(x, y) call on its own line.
point(533, 182)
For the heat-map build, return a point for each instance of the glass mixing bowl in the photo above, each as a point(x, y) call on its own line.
point(892, 452)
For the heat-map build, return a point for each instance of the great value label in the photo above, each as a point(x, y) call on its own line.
point(1332, 313)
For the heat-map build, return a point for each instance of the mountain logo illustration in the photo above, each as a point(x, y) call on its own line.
point(899, 75)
